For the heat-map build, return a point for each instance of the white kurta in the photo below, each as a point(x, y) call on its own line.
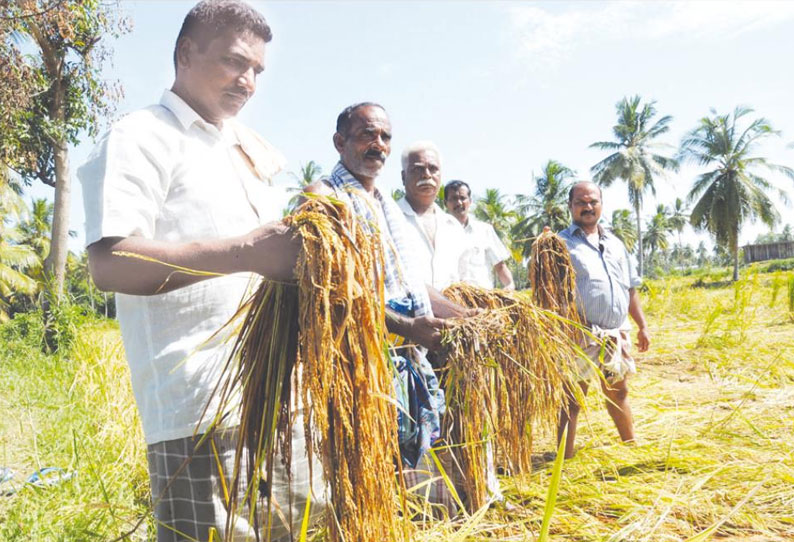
point(163, 173)
point(439, 264)
point(484, 250)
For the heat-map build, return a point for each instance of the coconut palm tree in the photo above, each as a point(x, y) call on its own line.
point(658, 229)
point(308, 173)
point(548, 206)
point(623, 228)
point(678, 217)
point(15, 258)
point(633, 157)
point(35, 230)
point(702, 254)
point(493, 209)
point(732, 192)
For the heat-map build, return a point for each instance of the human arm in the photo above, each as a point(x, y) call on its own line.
point(422, 330)
point(446, 308)
point(269, 250)
point(635, 310)
point(504, 275)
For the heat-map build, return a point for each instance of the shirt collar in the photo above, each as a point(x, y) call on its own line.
point(573, 229)
point(407, 209)
point(187, 116)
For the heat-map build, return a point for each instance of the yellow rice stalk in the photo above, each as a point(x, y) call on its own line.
point(552, 276)
point(507, 368)
point(329, 331)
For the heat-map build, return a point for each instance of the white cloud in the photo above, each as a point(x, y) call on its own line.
point(550, 33)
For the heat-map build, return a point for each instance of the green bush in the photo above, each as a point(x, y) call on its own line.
point(29, 330)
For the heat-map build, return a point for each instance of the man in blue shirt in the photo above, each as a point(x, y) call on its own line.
point(606, 284)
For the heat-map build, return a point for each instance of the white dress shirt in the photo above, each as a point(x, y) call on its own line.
point(440, 262)
point(164, 173)
point(484, 250)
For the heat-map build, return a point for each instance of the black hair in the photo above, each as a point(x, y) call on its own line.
point(345, 118)
point(574, 185)
point(455, 185)
point(210, 18)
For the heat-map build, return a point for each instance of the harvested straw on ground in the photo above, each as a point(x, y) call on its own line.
point(507, 368)
point(329, 331)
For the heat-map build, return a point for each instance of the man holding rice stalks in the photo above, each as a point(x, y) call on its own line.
point(415, 311)
point(437, 237)
point(606, 284)
point(485, 255)
point(172, 189)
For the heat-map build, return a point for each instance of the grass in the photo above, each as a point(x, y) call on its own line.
point(713, 402)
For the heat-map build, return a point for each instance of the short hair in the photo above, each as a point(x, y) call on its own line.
point(455, 185)
point(345, 118)
point(579, 183)
point(210, 18)
point(418, 146)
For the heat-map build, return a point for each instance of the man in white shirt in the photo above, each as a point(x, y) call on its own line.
point(486, 254)
point(182, 182)
point(435, 235)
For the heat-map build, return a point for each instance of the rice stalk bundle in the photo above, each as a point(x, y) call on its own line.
point(552, 276)
point(329, 331)
point(513, 362)
point(508, 367)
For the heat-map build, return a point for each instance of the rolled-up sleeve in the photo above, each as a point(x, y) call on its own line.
point(124, 183)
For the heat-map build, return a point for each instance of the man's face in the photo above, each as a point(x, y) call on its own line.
point(220, 79)
point(367, 143)
point(585, 205)
point(422, 177)
point(458, 202)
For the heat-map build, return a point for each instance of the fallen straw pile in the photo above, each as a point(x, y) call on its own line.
point(507, 368)
point(326, 336)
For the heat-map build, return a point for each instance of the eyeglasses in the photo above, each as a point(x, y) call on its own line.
point(580, 203)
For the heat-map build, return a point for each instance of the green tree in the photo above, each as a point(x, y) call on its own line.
point(732, 192)
point(494, 209)
point(548, 206)
point(657, 232)
point(702, 254)
point(15, 258)
point(35, 230)
point(309, 172)
point(633, 157)
point(623, 228)
point(70, 97)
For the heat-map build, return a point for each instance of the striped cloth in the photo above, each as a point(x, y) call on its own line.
point(399, 275)
point(604, 275)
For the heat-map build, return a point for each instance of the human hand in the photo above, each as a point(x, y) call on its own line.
point(426, 331)
point(643, 339)
point(272, 251)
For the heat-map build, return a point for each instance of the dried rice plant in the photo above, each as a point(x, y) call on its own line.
point(552, 276)
point(507, 368)
point(330, 332)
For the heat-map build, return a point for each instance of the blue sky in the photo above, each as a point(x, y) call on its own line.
point(500, 87)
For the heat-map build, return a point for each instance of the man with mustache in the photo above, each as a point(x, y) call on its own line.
point(435, 234)
point(606, 284)
point(436, 237)
point(415, 311)
point(485, 254)
point(184, 183)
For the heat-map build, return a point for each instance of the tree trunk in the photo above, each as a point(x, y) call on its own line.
point(735, 250)
point(640, 267)
point(55, 264)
